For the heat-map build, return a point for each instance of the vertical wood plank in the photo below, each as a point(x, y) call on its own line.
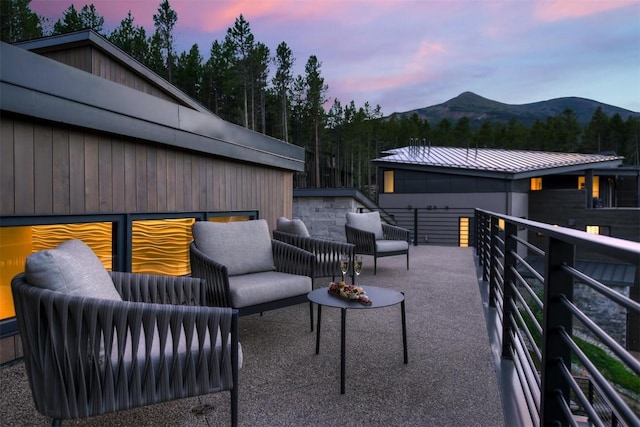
point(43, 172)
point(7, 180)
point(76, 173)
point(152, 180)
point(117, 176)
point(61, 171)
point(179, 192)
point(24, 168)
point(105, 175)
point(171, 182)
point(91, 173)
point(141, 178)
point(161, 179)
point(130, 177)
point(186, 181)
point(211, 204)
point(202, 183)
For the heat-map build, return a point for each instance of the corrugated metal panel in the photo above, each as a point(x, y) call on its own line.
point(495, 160)
point(608, 273)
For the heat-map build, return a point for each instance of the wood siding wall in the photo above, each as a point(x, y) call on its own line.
point(50, 170)
point(92, 60)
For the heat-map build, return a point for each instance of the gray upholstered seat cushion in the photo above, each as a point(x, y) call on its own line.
point(243, 247)
point(292, 226)
point(257, 288)
point(72, 268)
point(383, 246)
point(368, 221)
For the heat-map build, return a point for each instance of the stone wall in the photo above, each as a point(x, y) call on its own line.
point(612, 317)
point(325, 216)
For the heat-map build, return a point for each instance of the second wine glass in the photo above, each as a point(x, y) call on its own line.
point(357, 265)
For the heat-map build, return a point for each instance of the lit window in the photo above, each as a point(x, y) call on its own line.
point(501, 224)
point(463, 224)
point(388, 182)
point(596, 185)
point(603, 230)
point(17, 243)
point(593, 229)
point(536, 184)
point(161, 246)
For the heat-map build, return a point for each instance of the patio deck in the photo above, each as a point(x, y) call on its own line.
point(450, 379)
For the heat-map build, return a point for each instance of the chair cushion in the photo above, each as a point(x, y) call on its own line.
point(252, 289)
point(383, 246)
point(292, 226)
point(243, 247)
point(72, 268)
point(368, 221)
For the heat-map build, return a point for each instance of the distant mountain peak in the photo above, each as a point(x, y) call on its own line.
point(479, 109)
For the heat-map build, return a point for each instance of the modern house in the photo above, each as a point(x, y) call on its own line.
point(94, 145)
point(433, 191)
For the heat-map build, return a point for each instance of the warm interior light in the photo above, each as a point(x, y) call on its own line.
point(389, 186)
point(464, 232)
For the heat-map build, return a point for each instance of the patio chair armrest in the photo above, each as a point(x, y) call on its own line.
point(291, 259)
point(364, 241)
point(327, 252)
point(214, 274)
point(315, 245)
point(393, 232)
point(159, 289)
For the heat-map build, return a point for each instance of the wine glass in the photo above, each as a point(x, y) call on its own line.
point(344, 265)
point(357, 265)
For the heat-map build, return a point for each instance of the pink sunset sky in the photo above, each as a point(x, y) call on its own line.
point(408, 54)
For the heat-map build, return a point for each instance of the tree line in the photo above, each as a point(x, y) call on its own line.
point(244, 82)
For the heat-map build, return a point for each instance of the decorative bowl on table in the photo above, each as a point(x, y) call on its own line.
point(349, 292)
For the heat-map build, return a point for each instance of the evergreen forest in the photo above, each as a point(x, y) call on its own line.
point(248, 83)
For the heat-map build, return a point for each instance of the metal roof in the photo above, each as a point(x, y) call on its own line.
point(608, 273)
point(91, 38)
point(518, 163)
point(35, 86)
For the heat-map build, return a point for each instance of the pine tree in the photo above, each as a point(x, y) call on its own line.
point(18, 22)
point(164, 22)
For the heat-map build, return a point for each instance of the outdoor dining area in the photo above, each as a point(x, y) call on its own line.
point(429, 363)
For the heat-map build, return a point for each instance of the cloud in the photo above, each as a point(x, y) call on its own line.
point(557, 10)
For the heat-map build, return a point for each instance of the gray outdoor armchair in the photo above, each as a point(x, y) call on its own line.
point(327, 252)
point(96, 342)
point(373, 237)
point(246, 269)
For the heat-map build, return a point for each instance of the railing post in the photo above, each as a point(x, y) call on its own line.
point(555, 318)
point(415, 226)
point(493, 282)
point(509, 279)
point(482, 226)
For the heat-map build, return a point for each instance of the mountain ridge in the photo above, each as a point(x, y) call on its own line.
point(479, 109)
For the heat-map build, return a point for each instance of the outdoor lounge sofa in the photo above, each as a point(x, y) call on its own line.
point(246, 269)
point(327, 252)
point(96, 342)
point(374, 237)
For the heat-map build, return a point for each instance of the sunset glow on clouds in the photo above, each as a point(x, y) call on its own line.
point(407, 54)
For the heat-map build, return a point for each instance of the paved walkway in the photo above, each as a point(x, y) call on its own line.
point(450, 379)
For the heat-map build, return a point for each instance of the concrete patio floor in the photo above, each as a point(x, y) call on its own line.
point(450, 379)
